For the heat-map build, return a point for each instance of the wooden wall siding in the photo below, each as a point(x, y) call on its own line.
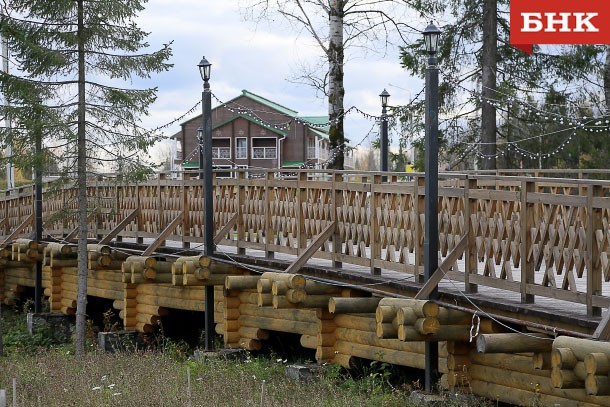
point(533, 236)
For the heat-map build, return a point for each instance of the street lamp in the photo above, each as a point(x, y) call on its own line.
point(384, 130)
point(431, 39)
point(205, 170)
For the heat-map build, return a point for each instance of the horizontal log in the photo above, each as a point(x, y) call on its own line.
point(99, 249)
point(563, 358)
point(340, 305)
point(293, 280)
point(507, 361)
point(370, 338)
point(397, 357)
point(247, 297)
point(597, 364)
point(346, 361)
point(188, 293)
point(422, 308)
point(281, 325)
point(567, 378)
point(265, 300)
point(316, 288)
point(582, 347)
point(151, 310)
point(295, 296)
point(240, 283)
point(325, 353)
point(170, 302)
point(144, 328)
point(250, 344)
point(427, 326)
point(513, 343)
point(253, 333)
point(309, 341)
point(522, 397)
point(264, 285)
point(542, 361)
point(294, 314)
point(148, 319)
point(385, 313)
point(387, 330)
point(361, 322)
point(597, 385)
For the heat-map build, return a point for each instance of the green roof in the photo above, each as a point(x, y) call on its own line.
point(317, 120)
point(250, 119)
point(269, 103)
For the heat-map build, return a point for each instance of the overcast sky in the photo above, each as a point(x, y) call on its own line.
point(260, 58)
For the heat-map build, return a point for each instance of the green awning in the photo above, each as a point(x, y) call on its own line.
point(292, 164)
point(190, 164)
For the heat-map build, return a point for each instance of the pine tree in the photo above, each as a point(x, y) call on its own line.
point(482, 71)
point(76, 59)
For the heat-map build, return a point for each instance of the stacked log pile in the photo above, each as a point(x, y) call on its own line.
point(525, 369)
point(4, 259)
point(408, 319)
point(151, 302)
point(201, 271)
point(367, 328)
point(147, 269)
point(59, 259)
point(583, 366)
point(19, 269)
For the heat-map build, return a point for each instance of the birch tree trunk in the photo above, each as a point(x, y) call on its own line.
point(81, 177)
point(489, 63)
point(336, 90)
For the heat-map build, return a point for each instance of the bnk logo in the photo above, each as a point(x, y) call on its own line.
point(559, 22)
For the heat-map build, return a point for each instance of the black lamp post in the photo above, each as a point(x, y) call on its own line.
point(38, 290)
point(384, 96)
point(205, 170)
point(431, 37)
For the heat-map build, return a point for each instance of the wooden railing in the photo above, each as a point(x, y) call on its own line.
point(535, 237)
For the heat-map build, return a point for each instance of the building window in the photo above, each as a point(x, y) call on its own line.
point(241, 148)
point(311, 148)
point(221, 148)
point(264, 148)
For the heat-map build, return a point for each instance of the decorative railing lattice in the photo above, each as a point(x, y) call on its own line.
point(539, 237)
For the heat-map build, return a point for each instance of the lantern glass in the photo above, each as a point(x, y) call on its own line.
point(205, 69)
point(384, 96)
point(431, 37)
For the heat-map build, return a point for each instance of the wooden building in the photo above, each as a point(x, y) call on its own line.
point(250, 131)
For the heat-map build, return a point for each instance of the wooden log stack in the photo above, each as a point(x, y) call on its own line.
point(525, 368)
point(408, 319)
point(202, 271)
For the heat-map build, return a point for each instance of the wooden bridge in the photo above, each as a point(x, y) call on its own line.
point(336, 257)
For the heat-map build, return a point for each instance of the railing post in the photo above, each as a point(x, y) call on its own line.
point(527, 223)
point(269, 196)
point(375, 224)
point(418, 235)
point(592, 258)
point(140, 222)
point(301, 201)
point(241, 201)
point(337, 202)
point(470, 208)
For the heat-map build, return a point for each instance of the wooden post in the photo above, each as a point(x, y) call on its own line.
point(592, 254)
point(374, 227)
point(301, 199)
point(470, 208)
point(269, 234)
point(419, 208)
point(241, 201)
point(527, 222)
point(337, 202)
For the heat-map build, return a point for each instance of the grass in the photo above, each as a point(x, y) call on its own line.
point(48, 374)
